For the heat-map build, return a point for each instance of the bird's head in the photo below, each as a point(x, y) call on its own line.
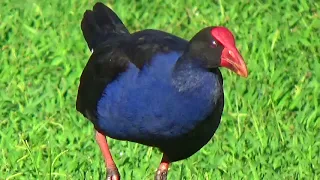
point(216, 46)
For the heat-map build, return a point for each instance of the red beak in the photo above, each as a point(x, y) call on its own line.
point(232, 59)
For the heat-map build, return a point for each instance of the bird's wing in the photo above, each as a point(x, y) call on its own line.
point(113, 57)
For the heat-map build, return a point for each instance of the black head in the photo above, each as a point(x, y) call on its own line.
point(215, 47)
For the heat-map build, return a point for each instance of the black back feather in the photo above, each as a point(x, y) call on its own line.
point(114, 48)
point(100, 24)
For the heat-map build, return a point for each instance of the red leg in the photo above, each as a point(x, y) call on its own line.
point(163, 169)
point(112, 170)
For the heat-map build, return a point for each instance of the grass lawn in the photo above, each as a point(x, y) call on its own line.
point(270, 127)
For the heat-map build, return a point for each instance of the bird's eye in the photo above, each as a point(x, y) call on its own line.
point(214, 43)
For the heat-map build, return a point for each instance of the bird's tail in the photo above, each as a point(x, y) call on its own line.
point(100, 24)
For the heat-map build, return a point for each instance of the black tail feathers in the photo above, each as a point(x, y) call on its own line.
point(100, 24)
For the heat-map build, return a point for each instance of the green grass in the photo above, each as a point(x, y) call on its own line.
point(270, 127)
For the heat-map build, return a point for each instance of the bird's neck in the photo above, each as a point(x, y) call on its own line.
point(190, 74)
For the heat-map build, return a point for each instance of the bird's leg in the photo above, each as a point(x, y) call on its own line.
point(163, 169)
point(112, 170)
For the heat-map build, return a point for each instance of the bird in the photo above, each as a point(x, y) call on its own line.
point(152, 87)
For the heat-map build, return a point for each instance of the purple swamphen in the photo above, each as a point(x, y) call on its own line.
point(152, 87)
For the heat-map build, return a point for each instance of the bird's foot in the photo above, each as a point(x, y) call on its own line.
point(113, 174)
point(161, 174)
point(162, 171)
point(112, 170)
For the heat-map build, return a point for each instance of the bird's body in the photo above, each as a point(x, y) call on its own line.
point(152, 87)
point(148, 105)
point(158, 102)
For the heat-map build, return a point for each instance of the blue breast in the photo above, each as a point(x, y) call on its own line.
point(144, 104)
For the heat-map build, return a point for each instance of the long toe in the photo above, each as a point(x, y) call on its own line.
point(113, 174)
point(161, 174)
